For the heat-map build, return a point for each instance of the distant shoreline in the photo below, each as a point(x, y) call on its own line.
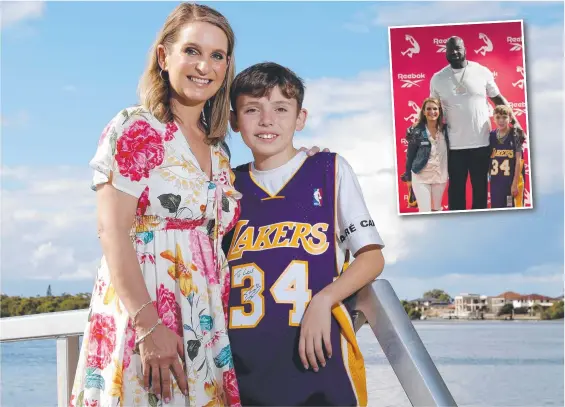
point(497, 320)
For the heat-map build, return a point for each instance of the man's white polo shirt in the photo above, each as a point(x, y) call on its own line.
point(467, 113)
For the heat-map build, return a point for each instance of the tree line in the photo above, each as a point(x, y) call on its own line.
point(12, 306)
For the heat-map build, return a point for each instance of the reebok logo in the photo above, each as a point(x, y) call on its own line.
point(414, 47)
point(520, 82)
point(411, 79)
point(413, 117)
point(440, 43)
point(487, 47)
point(519, 108)
point(515, 43)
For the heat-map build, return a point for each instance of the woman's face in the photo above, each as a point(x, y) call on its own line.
point(197, 63)
point(431, 111)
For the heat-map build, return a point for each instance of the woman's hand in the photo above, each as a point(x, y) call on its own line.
point(162, 351)
point(314, 150)
point(315, 332)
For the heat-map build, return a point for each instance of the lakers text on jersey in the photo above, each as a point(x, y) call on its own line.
point(283, 253)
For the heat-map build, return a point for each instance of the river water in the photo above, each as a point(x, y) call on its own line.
point(483, 364)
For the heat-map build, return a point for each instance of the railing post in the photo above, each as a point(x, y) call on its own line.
point(67, 360)
point(407, 355)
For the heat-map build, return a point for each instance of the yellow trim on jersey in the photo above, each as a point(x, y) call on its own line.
point(285, 184)
point(519, 199)
point(352, 357)
point(336, 248)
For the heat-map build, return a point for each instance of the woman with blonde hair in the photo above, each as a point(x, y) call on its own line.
point(426, 157)
point(157, 329)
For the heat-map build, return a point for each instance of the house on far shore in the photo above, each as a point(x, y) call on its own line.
point(521, 301)
point(432, 307)
point(469, 305)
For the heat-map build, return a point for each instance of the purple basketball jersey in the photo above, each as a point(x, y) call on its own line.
point(283, 253)
point(502, 169)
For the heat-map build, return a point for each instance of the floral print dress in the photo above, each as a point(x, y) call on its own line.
point(181, 219)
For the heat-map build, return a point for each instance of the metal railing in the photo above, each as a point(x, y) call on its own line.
point(376, 304)
point(66, 327)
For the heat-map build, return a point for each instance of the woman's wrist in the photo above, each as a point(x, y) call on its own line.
point(147, 318)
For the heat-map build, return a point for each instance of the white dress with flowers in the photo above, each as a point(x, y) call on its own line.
point(181, 218)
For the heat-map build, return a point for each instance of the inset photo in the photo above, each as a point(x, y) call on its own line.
point(460, 117)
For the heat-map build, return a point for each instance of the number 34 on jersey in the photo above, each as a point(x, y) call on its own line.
point(290, 288)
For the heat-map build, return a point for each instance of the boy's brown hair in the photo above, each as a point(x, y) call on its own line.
point(503, 110)
point(258, 80)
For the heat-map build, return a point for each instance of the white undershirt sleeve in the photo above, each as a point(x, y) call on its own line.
point(355, 227)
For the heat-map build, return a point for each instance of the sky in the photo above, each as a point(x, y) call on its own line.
point(68, 67)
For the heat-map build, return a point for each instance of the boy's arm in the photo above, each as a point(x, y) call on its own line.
point(362, 239)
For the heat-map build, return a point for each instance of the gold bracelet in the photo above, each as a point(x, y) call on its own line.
point(139, 310)
point(139, 340)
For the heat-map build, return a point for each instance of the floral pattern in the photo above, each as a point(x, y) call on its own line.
point(139, 150)
point(180, 220)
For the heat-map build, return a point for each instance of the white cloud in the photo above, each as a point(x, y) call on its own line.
point(83, 271)
point(544, 81)
point(14, 12)
point(46, 254)
point(48, 223)
point(50, 218)
point(354, 117)
point(443, 12)
point(423, 13)
point(546, 41)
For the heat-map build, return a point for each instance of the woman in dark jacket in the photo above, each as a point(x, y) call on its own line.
point(426, 158)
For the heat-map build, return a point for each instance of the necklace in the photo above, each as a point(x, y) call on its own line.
point(460, 89)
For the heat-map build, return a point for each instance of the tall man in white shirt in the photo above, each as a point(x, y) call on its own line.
point(463, 87)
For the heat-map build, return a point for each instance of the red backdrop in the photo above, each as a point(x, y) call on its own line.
point(419, 52)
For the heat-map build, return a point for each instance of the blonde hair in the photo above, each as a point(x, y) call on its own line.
point(154, 92)
point(422, 117)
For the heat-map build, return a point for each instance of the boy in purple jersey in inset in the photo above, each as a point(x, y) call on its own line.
point(290, 332)
point(507, 166)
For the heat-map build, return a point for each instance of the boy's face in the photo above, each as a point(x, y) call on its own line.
point(267, 124)
point(502, 120)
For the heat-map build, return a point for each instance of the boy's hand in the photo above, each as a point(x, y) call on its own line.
point(514, 189)
point(314, 150)
point(315, 331)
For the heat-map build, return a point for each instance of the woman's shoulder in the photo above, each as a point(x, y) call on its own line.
point(135, 114)
point(132, 128)
point(135, 121)
point(416, 129)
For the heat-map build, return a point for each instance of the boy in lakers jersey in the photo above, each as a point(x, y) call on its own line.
point(507, 165)
point(291, 336)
